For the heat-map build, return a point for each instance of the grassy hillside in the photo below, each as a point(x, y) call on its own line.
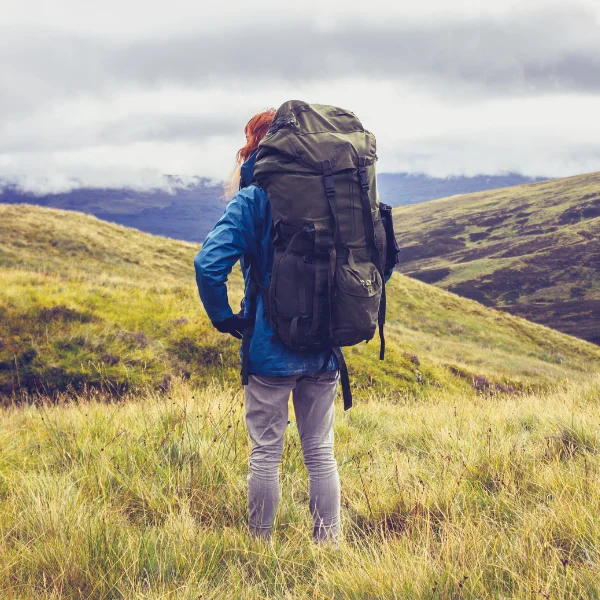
point(453, 485)
point(532, 250)
point(84, 303)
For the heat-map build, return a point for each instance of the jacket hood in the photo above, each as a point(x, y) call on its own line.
point(247, 170)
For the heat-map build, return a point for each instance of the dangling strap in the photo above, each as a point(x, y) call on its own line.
point(363, 179)
point(256, 287)
point(346, 391)
point(250, 329)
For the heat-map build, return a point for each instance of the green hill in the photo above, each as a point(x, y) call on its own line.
point(89, 304)
point(531, 250)
point(452, 486)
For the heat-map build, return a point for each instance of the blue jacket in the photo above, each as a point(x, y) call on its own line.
point(245, 228)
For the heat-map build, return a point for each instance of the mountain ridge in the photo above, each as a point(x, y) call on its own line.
point(188, 212)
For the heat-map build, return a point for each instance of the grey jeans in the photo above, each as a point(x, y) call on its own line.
point(266, 419)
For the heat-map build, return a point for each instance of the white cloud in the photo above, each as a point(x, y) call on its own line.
point(119, 93)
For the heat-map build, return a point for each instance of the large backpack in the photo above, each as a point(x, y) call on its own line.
point(327, 289)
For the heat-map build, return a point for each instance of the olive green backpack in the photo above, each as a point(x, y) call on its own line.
point(327, 289)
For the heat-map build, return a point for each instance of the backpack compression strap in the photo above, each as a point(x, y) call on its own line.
point(370, 232)
point(329, 183)
point(346, 392)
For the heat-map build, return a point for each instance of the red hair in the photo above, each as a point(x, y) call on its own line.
point(255, 131)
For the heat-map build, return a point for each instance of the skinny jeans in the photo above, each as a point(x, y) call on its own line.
point(266, 404)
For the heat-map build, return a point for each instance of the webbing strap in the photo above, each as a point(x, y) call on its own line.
point(363, 179)
point(329, 183)
point(294, 332)
point(302, 287)
point(250, 329)
point(345, 380)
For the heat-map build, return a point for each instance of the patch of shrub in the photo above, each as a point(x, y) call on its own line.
point(63, 313)
point(135, 338)
point(110, 359)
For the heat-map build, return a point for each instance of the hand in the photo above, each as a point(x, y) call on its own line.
point(234, 325)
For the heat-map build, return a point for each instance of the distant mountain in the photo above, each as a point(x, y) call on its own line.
point(398, 189)
point(189, 212)
point(531, 250)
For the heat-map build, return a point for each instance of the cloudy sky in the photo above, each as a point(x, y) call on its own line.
point(120, 92)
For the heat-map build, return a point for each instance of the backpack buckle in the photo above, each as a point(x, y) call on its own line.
point(327, 166)
point(329, 183)
point(363, 179)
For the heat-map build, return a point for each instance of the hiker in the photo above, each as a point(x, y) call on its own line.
point(274, 362)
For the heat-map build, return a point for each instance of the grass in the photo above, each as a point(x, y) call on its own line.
point(457, 496)
point(470, 464)
point(531, 250)
point(88, 304)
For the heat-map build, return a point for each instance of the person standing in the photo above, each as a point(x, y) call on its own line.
point(274, 369)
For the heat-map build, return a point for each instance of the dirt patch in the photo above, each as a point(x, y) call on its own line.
point(584, 254)
point(482, 384)
point(430, 275)
point(480, 235)
point(450, 228)
point(527, 247)
point(134, 338)
point(580, 318)
point(477, 253)
point(591, 212)
point(488, 291)
point(63, 313)
point(431, 249)
point(470, 289)
point(492, 221)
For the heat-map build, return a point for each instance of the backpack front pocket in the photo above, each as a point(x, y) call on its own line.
point(356, 303)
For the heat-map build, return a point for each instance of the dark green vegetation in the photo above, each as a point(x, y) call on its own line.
point(84, 303)
point(531, 250)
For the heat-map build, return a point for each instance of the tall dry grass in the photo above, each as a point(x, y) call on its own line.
point(458, 495)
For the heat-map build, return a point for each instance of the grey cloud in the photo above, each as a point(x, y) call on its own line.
point(154, 127)
point(521, 53)
point(165, 128)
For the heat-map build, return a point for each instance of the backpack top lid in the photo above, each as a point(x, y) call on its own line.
point(310, 134)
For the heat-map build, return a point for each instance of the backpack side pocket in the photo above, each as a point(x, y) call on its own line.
point(355, 311)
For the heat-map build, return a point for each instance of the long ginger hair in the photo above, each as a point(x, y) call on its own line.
point(255, 130)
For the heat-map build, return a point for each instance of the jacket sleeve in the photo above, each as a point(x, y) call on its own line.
point(233, 236)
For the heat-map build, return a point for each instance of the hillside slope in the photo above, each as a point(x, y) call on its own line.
point(531, 250)
point(85, 303)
